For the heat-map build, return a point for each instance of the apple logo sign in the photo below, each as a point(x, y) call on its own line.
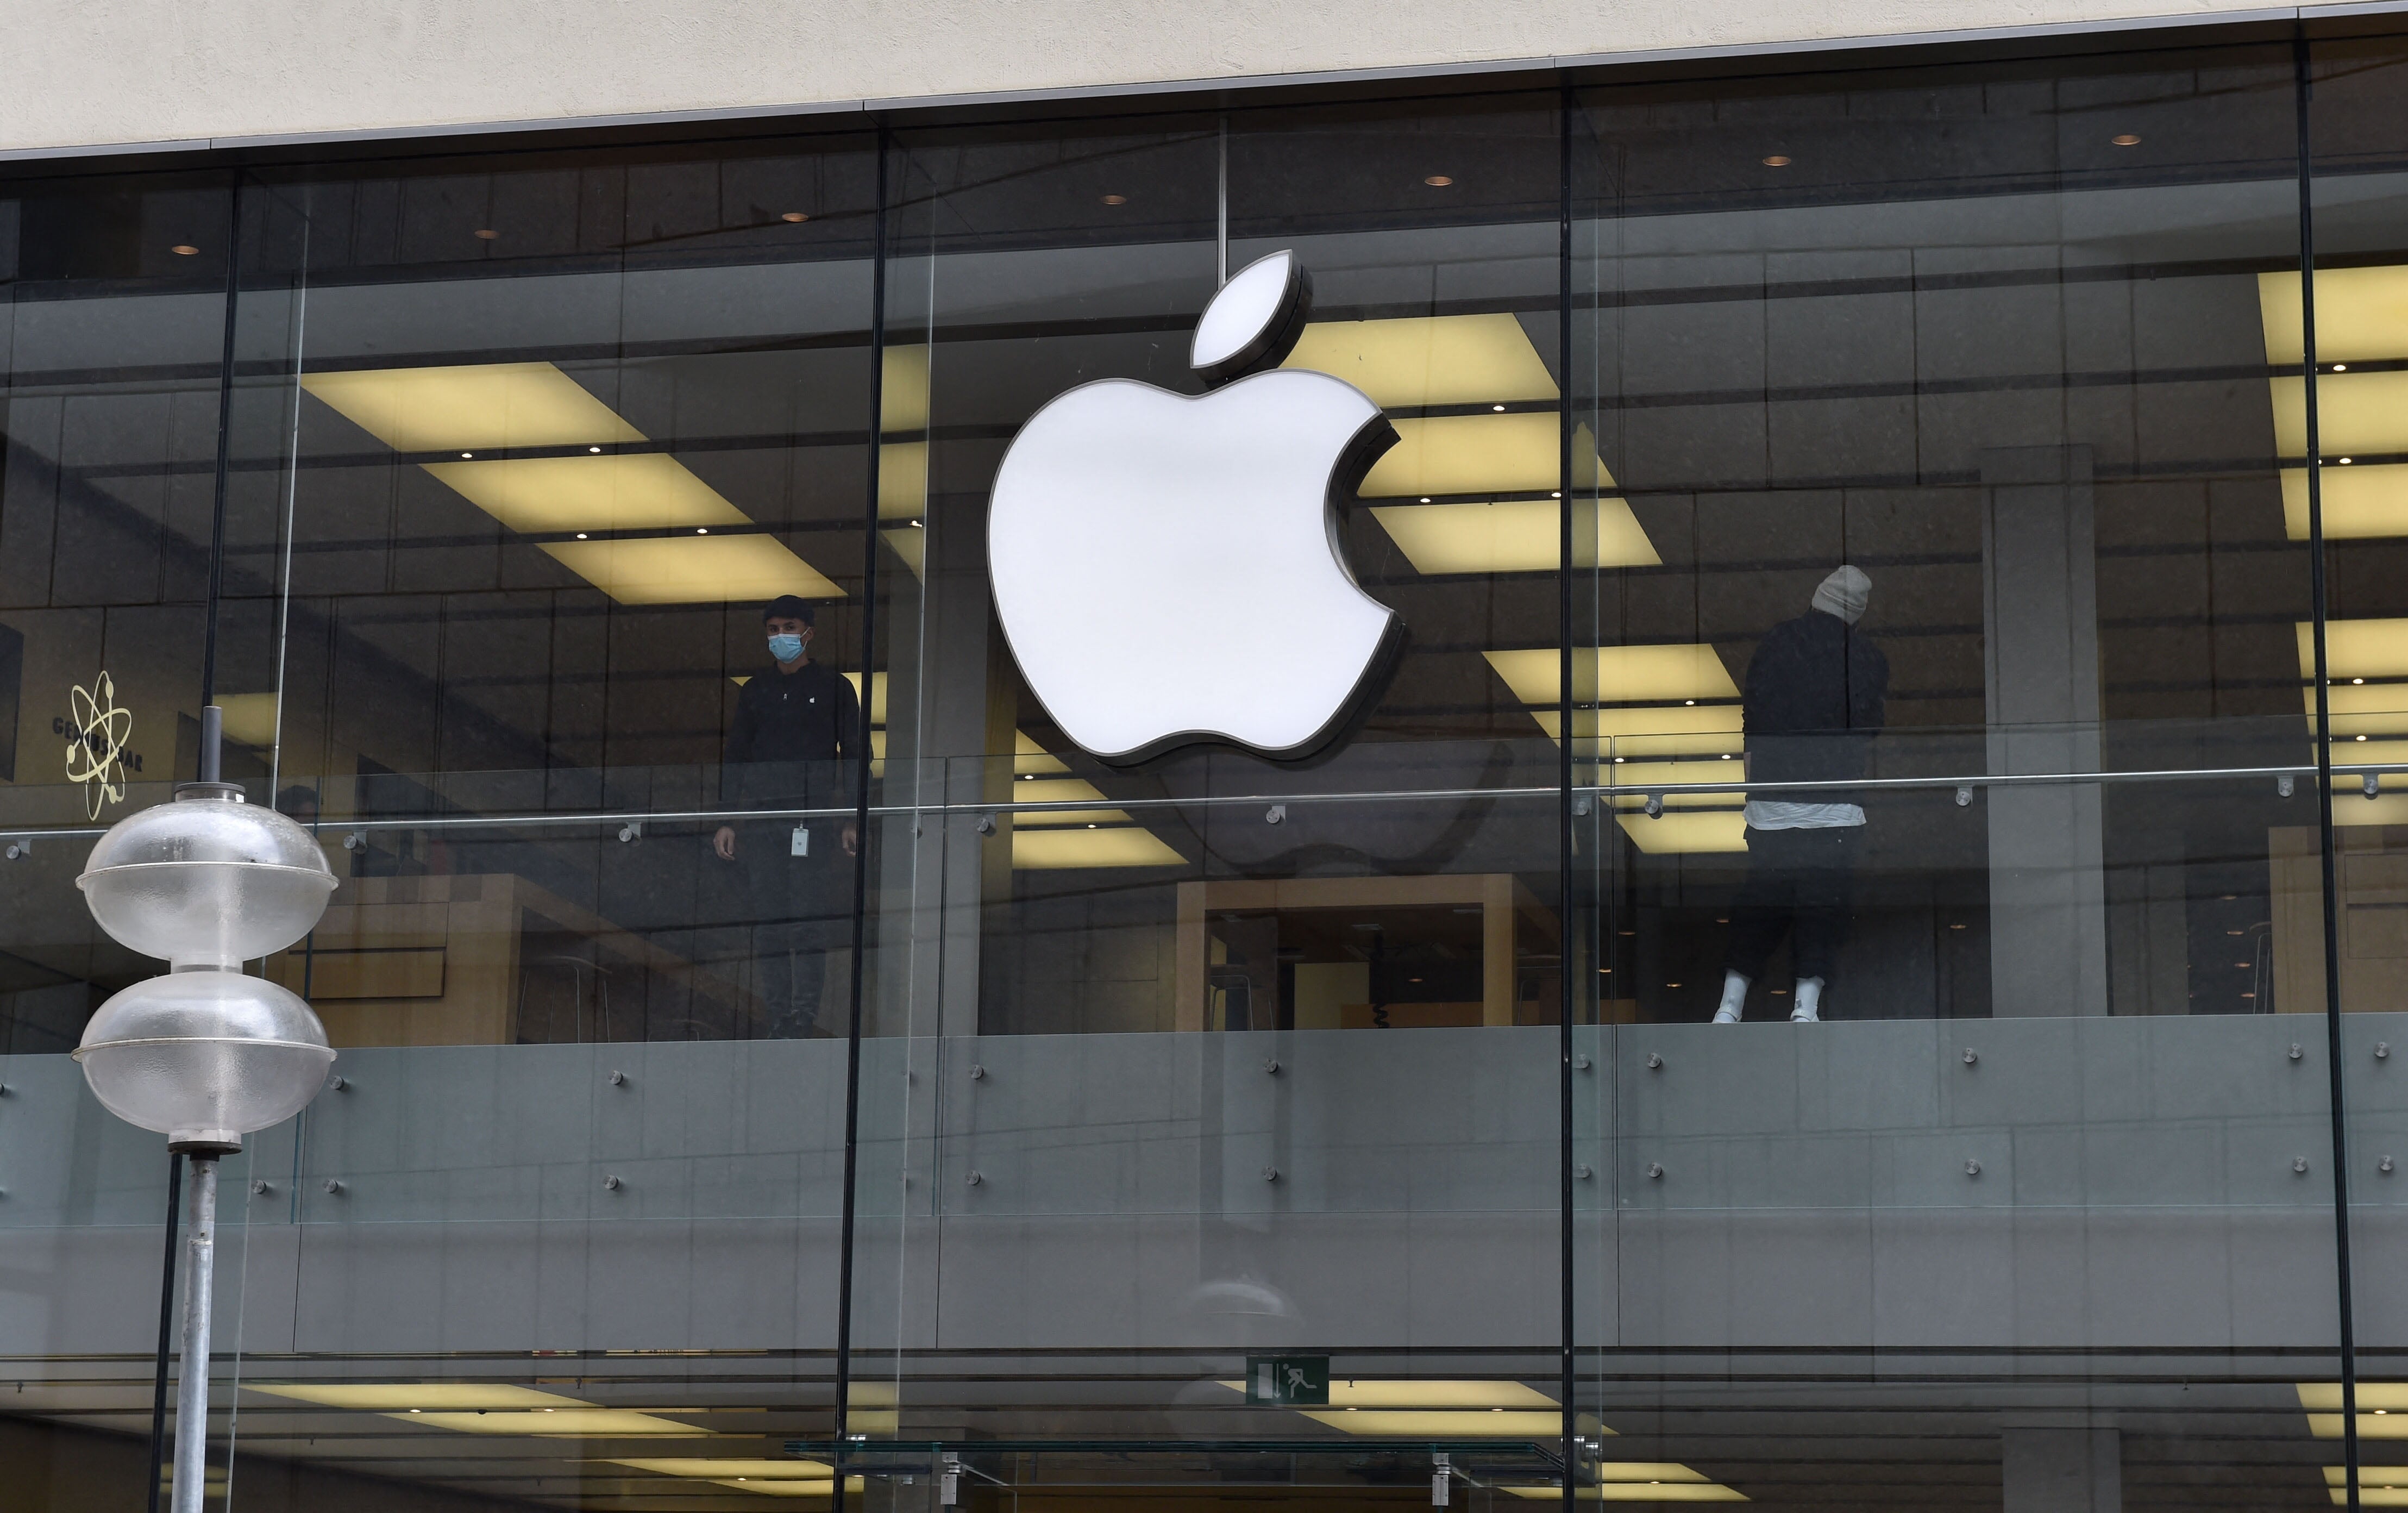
point(1167, 569)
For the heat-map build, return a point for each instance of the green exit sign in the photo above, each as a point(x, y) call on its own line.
point(1288, 1381)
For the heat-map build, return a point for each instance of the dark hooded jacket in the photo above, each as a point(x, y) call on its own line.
point(1816, 692)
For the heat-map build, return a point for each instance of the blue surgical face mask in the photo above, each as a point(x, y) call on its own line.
point(785, 648)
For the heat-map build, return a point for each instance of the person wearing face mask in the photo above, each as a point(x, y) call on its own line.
point(1817, 689)
point(797, 728)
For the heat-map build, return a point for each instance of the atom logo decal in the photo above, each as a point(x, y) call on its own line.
point(97, 749)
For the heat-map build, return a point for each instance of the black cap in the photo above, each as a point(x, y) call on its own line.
point(787, 607)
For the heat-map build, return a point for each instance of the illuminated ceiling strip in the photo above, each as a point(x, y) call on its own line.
point(1650, 730)
point(637, 491)
point(1054, 850)
point(2362, 315)
point(695, 570)
point(1510, 453)
point(779, 1487)
point(1515, 536)
point(1619, 674)
point(481, 407)
point(385, 1397)
point(558, 1423)
point(1431, 1393)
point(1062, 790)
point(1428, 360)
point(903, 390)
point(1622, 1492)
point(2324, 1395)
point(714, 1467)
point(2356, 412)
point(2359, 502)
point(1441, 1423)
point(2371, 1425)
point(2355, 649)
point(1029, 759)
point(1686, 831)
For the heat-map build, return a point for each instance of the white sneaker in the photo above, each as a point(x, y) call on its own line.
point(1810, 1003)
point(1734, 998)
point(1803, 1014)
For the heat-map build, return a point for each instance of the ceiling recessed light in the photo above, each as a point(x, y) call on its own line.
point(2344, 462)
point(793, 217)
point(1556, 494)
point(1116, 200)
point(1499, 409)
point(1426, 498)
point(185, 249)
point(467, 455)
point(2125, 140)
point(702, 531)
point(581, 536)
point(592, 448)
point(1439, 180)
point(1776, 161)
point(2360, 738)
point(487, 233)
point(2341, 367)
point(2357, 679)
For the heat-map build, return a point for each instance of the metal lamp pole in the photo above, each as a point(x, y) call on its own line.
point(205, 1054)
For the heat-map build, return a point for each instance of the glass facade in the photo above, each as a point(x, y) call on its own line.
point(1871, 808)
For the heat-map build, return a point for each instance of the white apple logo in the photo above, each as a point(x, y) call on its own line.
point(1167, 569)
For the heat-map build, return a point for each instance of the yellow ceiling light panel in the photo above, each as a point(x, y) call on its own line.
point(1030, 759)
point(783, 1487)
point(1624, 674)
point(2362, 315)
point(1654, 776)
point(1515, 536)
point(2370, 1495)
point(1512, 453)
point(1443, 1424)
point(639, 491)
point(2355, 649)
point(694, 569)
point(2359, 502)
point(2325, 1397)
point(1647, 1471)
point(902, 479)
point(714, 1467)
point(249, 718)
point(1062, 790)
point(2371, 1425)
point(1668, 1491)
point(489, 405)
point(1061, 849)
point(2352, 807)
point(1432, 1393)
point(558, 1423)
point(2356, 412)
point(877, 695)
point(1651, 730)
point(1685, 832)
point(903, 390)
point(388, 1397)
point(1429, 360)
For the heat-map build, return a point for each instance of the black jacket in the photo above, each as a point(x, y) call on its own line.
point(1815, 691)
point(791, 734)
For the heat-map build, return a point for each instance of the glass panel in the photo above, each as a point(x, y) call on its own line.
point(1153, 1090)
point(2362, 228)
point(1948, 697)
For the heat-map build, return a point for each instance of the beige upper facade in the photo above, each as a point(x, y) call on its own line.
point(167, 71)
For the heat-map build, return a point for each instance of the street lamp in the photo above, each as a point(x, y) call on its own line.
point(204, 1054)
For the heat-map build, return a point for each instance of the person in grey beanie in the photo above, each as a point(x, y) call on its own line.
point(1815, 693)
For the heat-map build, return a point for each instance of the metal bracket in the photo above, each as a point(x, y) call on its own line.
point(1655, 806)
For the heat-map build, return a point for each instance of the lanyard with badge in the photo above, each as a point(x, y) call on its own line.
point(801, 843)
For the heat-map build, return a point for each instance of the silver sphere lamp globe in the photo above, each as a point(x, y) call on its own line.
point(205, 1054)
